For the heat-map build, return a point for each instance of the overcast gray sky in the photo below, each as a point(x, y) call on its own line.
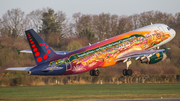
point(119, 7)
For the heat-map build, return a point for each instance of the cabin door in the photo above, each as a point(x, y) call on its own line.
point(68, 64)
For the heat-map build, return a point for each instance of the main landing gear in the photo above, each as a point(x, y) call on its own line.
point(94, 72)
point(127, 72)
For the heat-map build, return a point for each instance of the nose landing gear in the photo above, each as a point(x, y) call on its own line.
point(127, 72)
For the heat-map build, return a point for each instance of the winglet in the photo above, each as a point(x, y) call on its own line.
point(166, 49)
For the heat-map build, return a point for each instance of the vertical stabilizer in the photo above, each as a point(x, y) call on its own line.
point(40, 49)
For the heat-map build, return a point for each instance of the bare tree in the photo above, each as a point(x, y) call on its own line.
point(177, 19)
point(34, 20)
point(122, 24)
point(75, 25)
point(13, 20)
point(113, 26)
point(102, 25)
point(135, 21)
point(82, 22)
point(1, 28)
point(146, 18)
point(63, 23)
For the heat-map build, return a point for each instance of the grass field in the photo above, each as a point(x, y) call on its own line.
point(90, 92)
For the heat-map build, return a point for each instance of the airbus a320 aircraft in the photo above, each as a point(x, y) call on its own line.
point(140, 44)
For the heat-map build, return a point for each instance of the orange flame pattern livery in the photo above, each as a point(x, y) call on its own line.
point(104, 53)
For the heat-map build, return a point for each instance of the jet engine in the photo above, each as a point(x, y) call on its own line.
point(153, 58)
point(29, 72)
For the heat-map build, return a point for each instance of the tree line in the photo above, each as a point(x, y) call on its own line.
point(63, 33)
point(86, 79)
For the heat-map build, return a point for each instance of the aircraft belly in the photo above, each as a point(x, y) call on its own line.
point(53, 72)
point(44, 69)
point(106, 64)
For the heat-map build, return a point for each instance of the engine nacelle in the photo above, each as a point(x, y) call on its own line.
point(154, 58)
point(29, 72)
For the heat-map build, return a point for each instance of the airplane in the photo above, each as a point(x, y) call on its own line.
point(141, 44)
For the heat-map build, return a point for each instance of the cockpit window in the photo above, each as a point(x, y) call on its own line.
point(168, 28)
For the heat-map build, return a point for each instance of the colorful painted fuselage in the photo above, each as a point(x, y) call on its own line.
point(105, 53)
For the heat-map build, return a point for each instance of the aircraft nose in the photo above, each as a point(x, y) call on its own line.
point(173, 33)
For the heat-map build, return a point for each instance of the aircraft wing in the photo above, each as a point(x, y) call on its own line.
point(20, 68)
point(57, 52)
point(138, 54)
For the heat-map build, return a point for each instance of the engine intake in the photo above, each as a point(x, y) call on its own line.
point(145, 60)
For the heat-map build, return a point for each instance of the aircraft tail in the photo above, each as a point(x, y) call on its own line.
point(40, 49)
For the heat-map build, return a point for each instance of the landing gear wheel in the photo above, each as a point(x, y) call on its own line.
point(91, 72)
point(94, 72)
point(127, 72)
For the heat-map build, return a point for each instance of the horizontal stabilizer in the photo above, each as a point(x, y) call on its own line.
point(57, 52)
point(24, 51)
point(20, 68)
